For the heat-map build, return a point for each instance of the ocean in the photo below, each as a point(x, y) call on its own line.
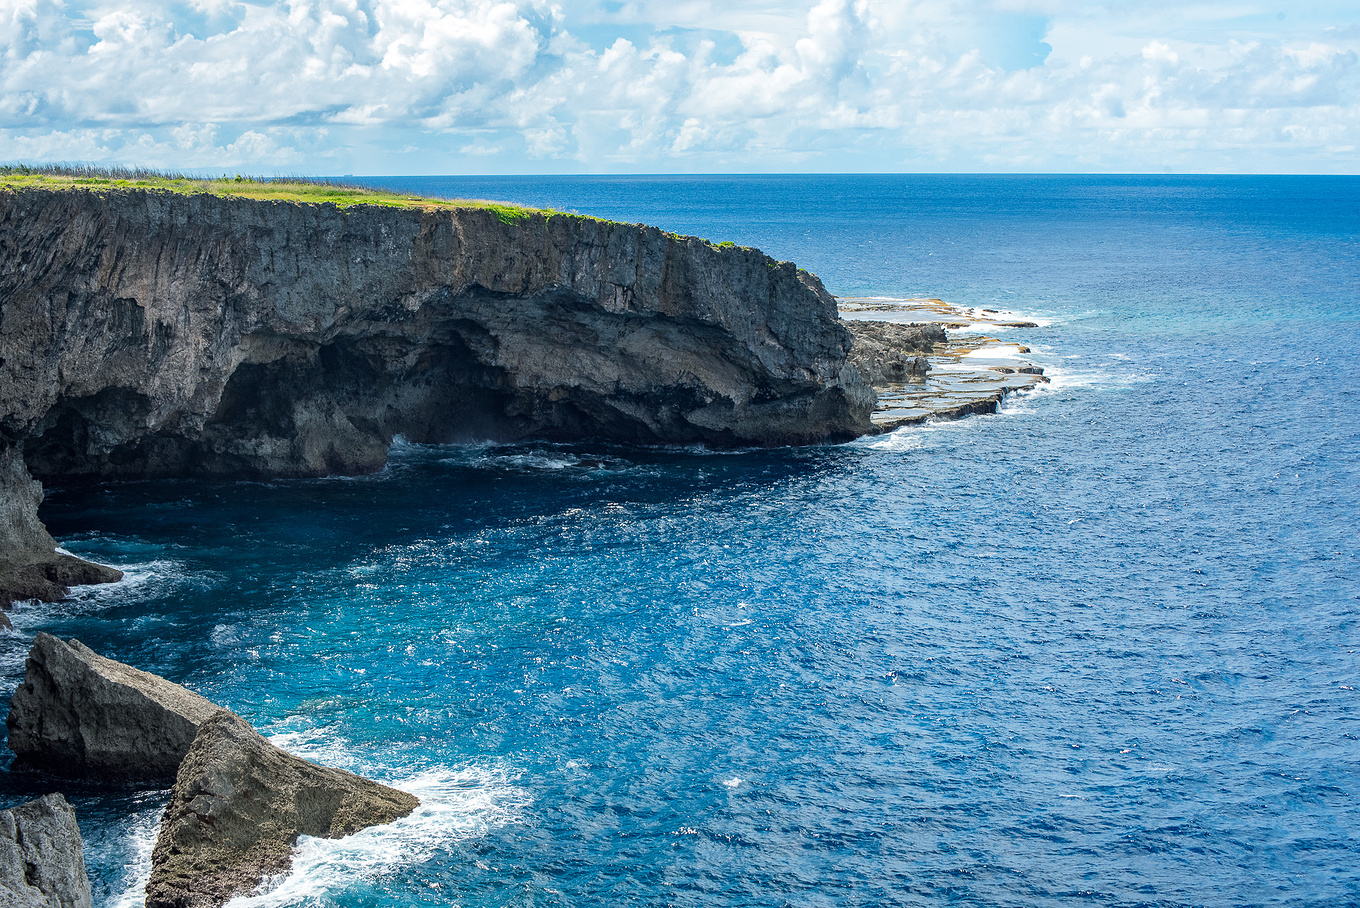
point(1099, 648)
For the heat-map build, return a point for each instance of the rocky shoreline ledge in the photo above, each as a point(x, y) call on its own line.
point(237, 806)
point(919, 371)
point(148, 333)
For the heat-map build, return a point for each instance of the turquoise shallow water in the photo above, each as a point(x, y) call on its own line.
point(1097, 649)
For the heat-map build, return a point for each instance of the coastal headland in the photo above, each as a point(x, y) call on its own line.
point(161, 330)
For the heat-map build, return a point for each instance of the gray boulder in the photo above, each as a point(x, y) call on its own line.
point(41, 863)
point(80, 715)
point(238, 807)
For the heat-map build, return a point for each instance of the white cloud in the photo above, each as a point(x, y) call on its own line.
point(438, 85)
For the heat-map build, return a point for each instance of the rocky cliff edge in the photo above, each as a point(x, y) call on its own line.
point(149, 333)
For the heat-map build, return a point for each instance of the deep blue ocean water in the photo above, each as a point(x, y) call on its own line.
point(1100, 648)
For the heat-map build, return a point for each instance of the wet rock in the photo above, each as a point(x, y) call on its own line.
point(978, 406)
point(41, 860)
point(80, 715)
point(237, 809)
point(1018, 324)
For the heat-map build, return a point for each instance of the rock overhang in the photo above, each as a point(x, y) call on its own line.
point(152, 334)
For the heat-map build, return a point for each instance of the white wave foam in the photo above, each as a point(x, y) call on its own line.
point(455, 805)
point(143, 841)
point(1071, 378)
point(907, 438)
point(994, 351)
point(154, 577)
point(531, 462)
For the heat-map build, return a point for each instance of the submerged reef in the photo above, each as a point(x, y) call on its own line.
point(147, 333)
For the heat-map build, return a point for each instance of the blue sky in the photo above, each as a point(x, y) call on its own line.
point(680, 86)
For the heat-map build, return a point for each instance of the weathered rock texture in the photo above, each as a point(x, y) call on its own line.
point(151, 334)
point(887, 352)
point(238, 807)
point(41, 861)
point(30, 566)
point(80, 715)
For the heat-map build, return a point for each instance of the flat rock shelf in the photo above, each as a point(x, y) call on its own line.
point(970, 371)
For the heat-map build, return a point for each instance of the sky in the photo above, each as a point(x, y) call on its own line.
point(383, 87)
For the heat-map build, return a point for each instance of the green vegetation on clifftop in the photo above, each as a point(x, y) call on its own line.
point(304, 190)
point(289, 189)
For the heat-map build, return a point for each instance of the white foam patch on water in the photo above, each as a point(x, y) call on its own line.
point(146, 578)
point(907, 438)
point(995, 351)
point(1070, 377)
point(143, 580)
point(455, 805)
point(530, 462)
point(897, 441)
point(143, 841)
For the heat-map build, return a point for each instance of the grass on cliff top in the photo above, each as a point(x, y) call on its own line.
point(285, 189)
point(282, 189)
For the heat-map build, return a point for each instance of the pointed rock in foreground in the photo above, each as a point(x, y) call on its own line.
point(238, 807)
point(41, 862)
point(80, 715)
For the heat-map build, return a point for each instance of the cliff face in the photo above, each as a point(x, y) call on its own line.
point(151, 334)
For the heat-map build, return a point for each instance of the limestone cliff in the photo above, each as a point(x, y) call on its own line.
point(154, 334)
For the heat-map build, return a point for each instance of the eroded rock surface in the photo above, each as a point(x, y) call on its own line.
point(238, 807)
point(887, 352)
point(80, 715)
point(151, 334)
point(965, 374)
point(41, 860)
